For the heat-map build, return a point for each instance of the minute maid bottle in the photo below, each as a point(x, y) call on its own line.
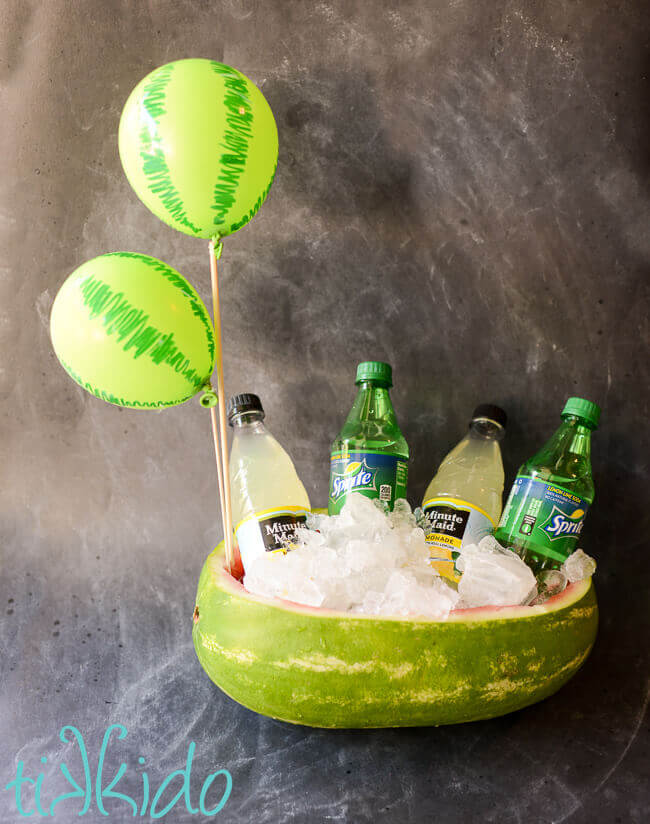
point(548, 502)
point(269, 502)
point(370, 455)
point(463, 501)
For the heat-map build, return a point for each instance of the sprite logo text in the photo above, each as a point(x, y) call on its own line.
point(559, 525)
point(362, 478)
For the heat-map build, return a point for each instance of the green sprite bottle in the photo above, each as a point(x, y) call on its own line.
point(545, 512)
point(370, 455)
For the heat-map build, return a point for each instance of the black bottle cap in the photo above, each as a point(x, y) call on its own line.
point(491, 412)
point(240, 404)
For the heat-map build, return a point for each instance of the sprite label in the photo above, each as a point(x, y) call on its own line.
point(373, 474)
point(547, 517)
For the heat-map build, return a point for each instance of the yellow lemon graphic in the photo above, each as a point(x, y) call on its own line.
point(577, 514)
point(352, 468)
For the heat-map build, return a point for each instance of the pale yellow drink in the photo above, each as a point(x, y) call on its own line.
point(269, 501)
point(463, 501)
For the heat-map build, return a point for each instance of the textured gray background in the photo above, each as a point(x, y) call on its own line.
point(463, 191)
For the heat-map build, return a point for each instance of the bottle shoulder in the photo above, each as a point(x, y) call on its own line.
point(263, 476)
point(372, 440)
point(260, 454)
point(472, 457)
point(256, 441)
point(471, 470)
point(574, 477)
point(371, 424)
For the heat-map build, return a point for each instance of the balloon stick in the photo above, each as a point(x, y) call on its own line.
point(222, 497)
point(219, 432)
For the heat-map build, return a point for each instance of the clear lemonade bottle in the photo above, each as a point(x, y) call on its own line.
point(269, 501)
point(463, 501)
point(370, 455)
point(545, 512)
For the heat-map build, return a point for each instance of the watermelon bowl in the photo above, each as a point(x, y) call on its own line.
point(323, 668)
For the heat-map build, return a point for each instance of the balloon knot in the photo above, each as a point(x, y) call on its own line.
point(209, 397)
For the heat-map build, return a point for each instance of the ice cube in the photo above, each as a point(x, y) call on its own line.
point(493, 577)
point(403, 595)
point(316, 520)
point(578, 566)
point(308, 591)
point(421, 519)
point(382, 506)
point(467, 553)
point(266, 575)
point(445, 598)
point(550, 582)
point(490, 544)
point(363, 560)
point(371, 603)
point(360, 518)
point(415, 544)
point(401, 516)
point(308, 538)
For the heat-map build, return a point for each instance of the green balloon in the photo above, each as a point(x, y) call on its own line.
point(199, 145)
point(132, 331)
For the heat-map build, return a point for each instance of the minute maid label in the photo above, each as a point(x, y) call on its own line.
point(269, 531)
point(374, 474)
point(545, 516)
point(453, 522)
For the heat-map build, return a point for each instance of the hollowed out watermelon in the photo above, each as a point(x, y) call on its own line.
point(334, 669)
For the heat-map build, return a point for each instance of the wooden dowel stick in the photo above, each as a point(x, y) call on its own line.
point(219, 433)
point(222, 497)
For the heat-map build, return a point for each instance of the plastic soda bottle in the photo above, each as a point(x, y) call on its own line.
point(269, 501)
point(462, 503)
point(370, 455)
point(545, 512)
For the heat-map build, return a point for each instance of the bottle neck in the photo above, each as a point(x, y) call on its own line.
point(575, 435)
point(248, 422)
point(569, 445)
point(486, 430)
point(372, 403)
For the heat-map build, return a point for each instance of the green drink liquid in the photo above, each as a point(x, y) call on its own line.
point(545, 512)
point(370, 455)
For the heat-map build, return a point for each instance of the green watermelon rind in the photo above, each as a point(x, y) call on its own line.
point(323, 668)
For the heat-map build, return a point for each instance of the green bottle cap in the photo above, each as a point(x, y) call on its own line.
point(375, 371)
point(582, 408)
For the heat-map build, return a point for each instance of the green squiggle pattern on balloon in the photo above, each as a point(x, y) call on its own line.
point(235, 141)
point(109, 397)
point(251, 214)
point(197, 307)
point(131, 325)
point(132, 329)
point(154, 165)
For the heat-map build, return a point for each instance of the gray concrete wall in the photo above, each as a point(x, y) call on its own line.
point(462, 190)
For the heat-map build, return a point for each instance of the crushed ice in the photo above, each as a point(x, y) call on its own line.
point(363, 560)
point(368, 560)
point(578, 566)
point(493, 576)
